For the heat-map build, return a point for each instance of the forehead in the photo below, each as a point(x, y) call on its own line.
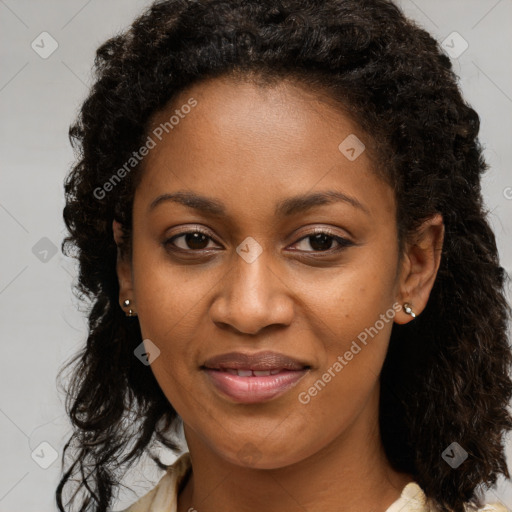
point(253, 145)
point(246, 114)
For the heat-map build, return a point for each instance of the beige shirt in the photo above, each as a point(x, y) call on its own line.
point(163, 497)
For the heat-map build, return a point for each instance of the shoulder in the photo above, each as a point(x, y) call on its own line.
point(492, 507)
point(165, 493)
point(413, 499)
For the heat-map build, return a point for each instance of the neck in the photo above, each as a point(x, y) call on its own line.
point(352, 471)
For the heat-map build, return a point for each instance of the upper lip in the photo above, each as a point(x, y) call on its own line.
point(267, 360)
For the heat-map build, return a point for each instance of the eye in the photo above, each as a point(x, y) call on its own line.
point(321, 241)
point(192, 241)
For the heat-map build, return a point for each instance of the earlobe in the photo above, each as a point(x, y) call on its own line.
point(419, 271)
point(124, 273)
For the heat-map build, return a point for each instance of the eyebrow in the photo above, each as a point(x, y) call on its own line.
point(285, 208)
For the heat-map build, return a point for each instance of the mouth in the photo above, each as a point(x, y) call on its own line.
point(249, 372)
point(260, 361)
point(245, 378)
point(244, 386)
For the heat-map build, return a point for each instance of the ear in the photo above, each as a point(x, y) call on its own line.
point(124, 270)
point(421, 260)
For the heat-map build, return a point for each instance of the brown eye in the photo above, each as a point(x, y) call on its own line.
point(321, 241)
point(191, 241)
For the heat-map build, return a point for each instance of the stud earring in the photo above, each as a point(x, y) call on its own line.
point(127, 303)
point(408, 310)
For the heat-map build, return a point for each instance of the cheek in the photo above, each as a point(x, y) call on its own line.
point(353, 316)
point(348, 302)
point(170, 298)
point(171, 308)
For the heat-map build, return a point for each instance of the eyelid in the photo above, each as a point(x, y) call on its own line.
point(321, 231)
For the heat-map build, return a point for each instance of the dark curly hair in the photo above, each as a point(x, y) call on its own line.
point(446, 375)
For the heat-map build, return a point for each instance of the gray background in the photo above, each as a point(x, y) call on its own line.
point(41, 327)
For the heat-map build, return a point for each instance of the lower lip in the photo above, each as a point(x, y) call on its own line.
point(253, 389)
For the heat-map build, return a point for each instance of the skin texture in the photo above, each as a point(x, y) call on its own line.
point(251, 147)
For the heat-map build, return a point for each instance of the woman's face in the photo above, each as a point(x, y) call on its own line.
point(256, 277)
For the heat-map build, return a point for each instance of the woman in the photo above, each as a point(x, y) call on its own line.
point(277, 214)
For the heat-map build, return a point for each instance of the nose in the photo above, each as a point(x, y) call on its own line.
point(252, 297)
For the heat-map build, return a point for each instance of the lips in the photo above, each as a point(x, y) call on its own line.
point(247, 378)
point(261, 361)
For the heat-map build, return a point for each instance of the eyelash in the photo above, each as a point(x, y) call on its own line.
point(343, 242)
